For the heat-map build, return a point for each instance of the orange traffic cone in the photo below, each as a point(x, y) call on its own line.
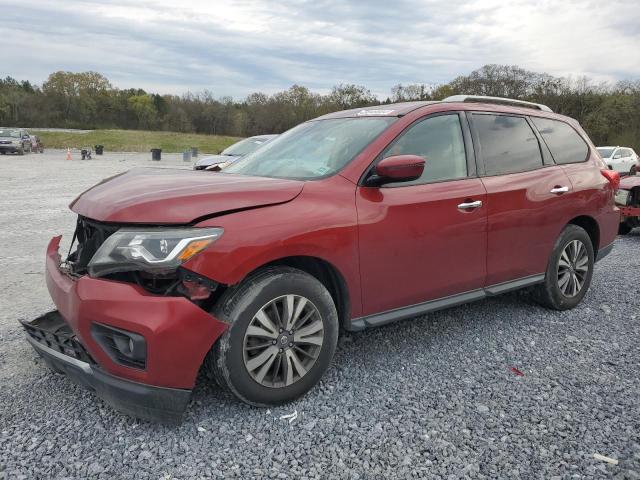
point(68, 154)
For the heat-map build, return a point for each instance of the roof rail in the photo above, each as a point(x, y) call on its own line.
point(498, 100)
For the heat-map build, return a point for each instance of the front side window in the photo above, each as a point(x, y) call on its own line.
point(564, 142)
point(440, 142)
point(507, 143)
point(313, 149)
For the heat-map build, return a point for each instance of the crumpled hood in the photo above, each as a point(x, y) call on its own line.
point(172, 196)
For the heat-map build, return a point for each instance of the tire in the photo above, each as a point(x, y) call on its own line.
point(633, 170)
point(234, 359)
point(624, 229)
point(556, 292)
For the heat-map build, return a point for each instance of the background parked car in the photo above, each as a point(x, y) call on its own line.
point(621, 159)
point(14, 140)
point(36, 144)
point(234, 152)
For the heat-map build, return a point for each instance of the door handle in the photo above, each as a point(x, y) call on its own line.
point(470, 205)
point(559, 190)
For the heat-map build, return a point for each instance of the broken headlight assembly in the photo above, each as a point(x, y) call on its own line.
point(156, 251)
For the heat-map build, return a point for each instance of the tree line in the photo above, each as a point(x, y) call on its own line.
point(610, 112)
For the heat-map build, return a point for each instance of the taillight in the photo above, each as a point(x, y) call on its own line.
point(612, 176)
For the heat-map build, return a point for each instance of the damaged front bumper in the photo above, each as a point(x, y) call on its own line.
point(177, 334)
point(64, 354)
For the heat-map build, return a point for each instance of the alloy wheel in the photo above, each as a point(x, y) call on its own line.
point(573, 267)
point(283, 341)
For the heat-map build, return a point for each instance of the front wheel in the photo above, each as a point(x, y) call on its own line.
point(281, 339)
point(569, 270)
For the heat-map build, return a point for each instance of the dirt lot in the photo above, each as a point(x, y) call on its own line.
point(432, 397)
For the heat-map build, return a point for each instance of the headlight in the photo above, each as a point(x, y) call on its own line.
point(15, 142)
point(150, 250)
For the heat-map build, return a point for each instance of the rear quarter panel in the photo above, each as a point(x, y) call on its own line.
point(593, 196)
point(593, 192)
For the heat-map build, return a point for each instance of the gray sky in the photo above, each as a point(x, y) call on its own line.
point(237, 47)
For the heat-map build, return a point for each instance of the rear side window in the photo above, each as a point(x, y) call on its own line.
point(440, 142)
point(564, 142)
point(507, 143)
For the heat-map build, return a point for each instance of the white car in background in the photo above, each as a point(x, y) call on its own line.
point(621, 159)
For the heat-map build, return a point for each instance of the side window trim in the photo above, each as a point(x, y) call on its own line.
point(478, 147)
point(472, 168)
point(547, 156)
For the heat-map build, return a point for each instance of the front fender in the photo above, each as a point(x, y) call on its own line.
point(321, 222)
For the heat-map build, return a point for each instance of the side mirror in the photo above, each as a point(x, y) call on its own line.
point(398, 168)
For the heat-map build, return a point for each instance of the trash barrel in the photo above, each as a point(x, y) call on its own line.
point(186, 156)
point(99, 149)
point(155, 153)
point(194, 151)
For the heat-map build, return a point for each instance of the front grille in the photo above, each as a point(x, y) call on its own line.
point(52, 331)
point(90, 235)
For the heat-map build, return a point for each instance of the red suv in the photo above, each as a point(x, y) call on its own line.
point(355, 219)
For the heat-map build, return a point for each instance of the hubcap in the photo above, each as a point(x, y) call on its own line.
point(283, 341)
point(573, 267)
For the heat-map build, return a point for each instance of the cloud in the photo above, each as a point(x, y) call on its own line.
point(234, 48)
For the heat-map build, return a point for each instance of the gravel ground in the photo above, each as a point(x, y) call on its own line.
point(433, 397)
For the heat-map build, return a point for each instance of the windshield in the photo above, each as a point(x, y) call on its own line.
point(5, 132)
point(605, 152)
point(313, 149)
point(244, 147)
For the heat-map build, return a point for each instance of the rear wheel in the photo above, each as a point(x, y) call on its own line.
point(281, 339)
point(569, 271)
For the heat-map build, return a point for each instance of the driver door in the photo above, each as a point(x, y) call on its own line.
point(426, 239)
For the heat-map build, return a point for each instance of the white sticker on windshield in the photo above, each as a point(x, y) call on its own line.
point(374, 112)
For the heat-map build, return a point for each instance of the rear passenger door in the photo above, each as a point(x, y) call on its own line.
point(527, 196)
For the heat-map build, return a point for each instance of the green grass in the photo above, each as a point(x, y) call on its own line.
point(136, 140)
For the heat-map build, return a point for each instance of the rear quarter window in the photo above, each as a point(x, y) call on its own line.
point(565, 144)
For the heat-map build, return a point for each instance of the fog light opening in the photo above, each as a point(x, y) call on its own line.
point(123, 347)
